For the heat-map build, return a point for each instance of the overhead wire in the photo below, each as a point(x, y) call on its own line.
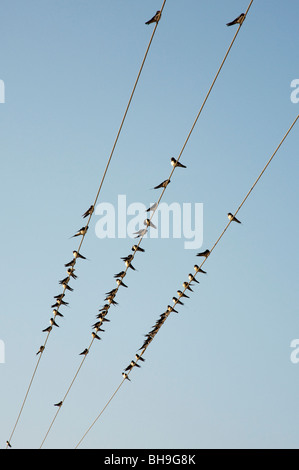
point(187, 284)
point(89, 216)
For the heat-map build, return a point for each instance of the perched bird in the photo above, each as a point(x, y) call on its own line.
point(121, 283)
point(152, 208)
point(199, 270)
point(137, 248)
point(129, 265)
point(148, 223)
point(58, 303)
point(71, 263)
point(140, 232)
point(238, 20)
point(127, 258)
point(177, 301)
point(232, 218)
point(76, 255)
point(163, 184)
point(120, 274)
point(181, 294)
point(139, 358)
point(171, 309)
point(187, 286)
point(112, 302)
point(156, 18)
point(83, 353)
point(112, 292)
point(88, 212)
point(56, 313)
point(53, 322)
point(65, 285)
point(98, 328)
point(204, 253)
point(192, 278)
point(40, 350)
point(175, 163)
point(59, 404)
point(8, 444)
point(59, 296)
point(95, 336)
point(47, 329)
point(70, 272)
point(81, 231)
point(125, 376)
point(131, 365)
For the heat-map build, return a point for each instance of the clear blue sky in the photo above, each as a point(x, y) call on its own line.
point(219, 373)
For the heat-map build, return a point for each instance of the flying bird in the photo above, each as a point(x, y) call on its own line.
point(204, 253)
point(175, 163)
point(156, 18)
point(238, 20)
point(88, 212)
point(163, 184)
point(232, 218)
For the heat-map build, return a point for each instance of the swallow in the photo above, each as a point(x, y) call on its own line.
point(112, 302)
point(58, 303)
point(76, 255)
point(171, 309)
point(56, 313)
point(175, 163)
point(98, 328)
point(192, 278)
point(156, 18)
point(121, 283)
point(139, 358)
point(238, 20)
point(95, 336)
point(148, 223)
point(102, 319)
point(186, 286)
point(71, 263)
point(232, 218)
point(81, 231)
point(199, 270)
point(140, 232)
point(181, 294)
point(59, 404)
point(177, 301)
point(125, 376)
point(112, 292)
point(53, 322)
point(131, 365)
point(137, 248)
point(65, 285)
point(104, 309)
point(129, 265)
point(41, 349)
point(47, 329)
point(152, 208)
point(127, 258)
point(204, 253)
point(83, 353)
point(8, 444)
point(59, 296)
point(164, 184)
point(88, 212)
point(70, 272)
point(120, 274)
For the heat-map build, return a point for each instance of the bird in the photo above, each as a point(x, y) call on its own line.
point(181, 294)
point(70, 272)
point(204, 253)
point(76, 255)
point(232, 218)
point(121, 283)
point(175, 163)
point(152, 208)
point(48, 329)
point(88, 212)
point(186, 286)
point(58, 303)
point(125, 376)
point(199, 270)
point(129, 265)
point(171, 309)
point(120, 274)
point(71, 263)
point(56, 313)
point(65, 285)
point(148, 223)
point(84, 352)
point(8, 444)
point(95, 336)
point(156, 18)
point(59, 296)
point(40, 350)
point(175, 300)
point(127, 258)
point(137, 248)
point(81, 231)
point(53, 322)
point(192, 278)
point(131, 365)
point(164, 184)
point(139, 358)
point(238, 20)
point(112, 292)
point(59, 404)
point(98, 328)
point(140, 232)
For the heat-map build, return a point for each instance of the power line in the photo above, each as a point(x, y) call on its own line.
point(167, 313)
point(91, 213)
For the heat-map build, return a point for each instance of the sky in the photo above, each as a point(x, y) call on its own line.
point(220, 373)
